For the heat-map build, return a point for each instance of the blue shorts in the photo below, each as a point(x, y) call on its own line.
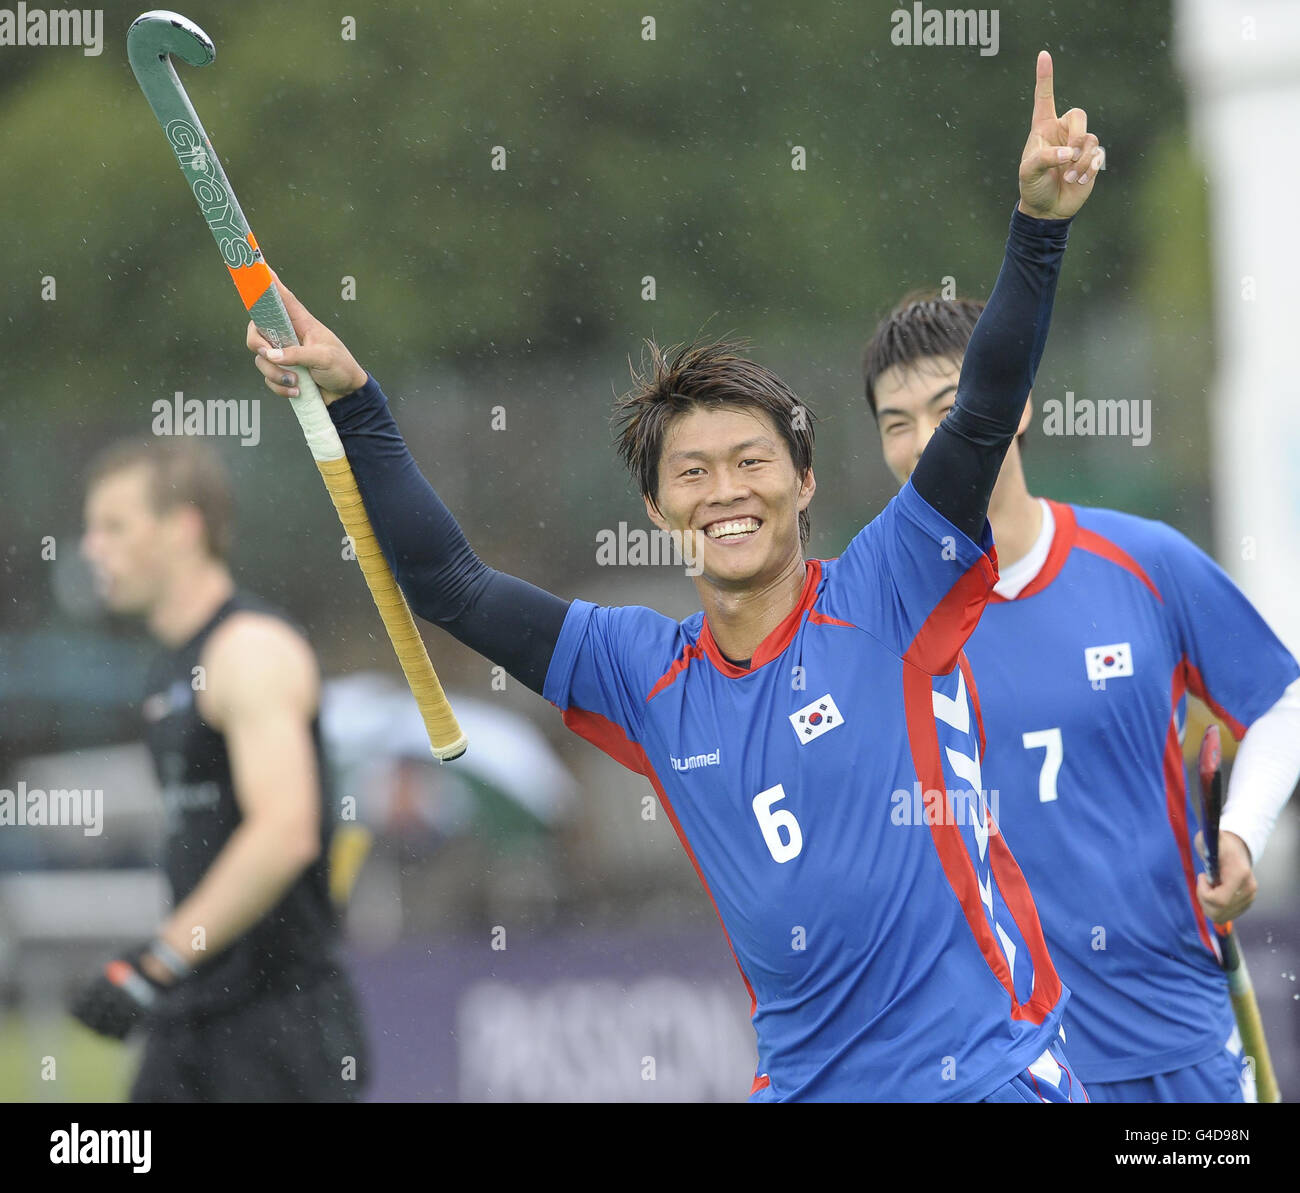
point(1048, 1079)
point(1226, 1077)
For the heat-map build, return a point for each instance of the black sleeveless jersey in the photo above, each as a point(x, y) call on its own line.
point(293, 943)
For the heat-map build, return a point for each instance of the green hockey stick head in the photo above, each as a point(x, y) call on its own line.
point(155, 35)
point(150, 42)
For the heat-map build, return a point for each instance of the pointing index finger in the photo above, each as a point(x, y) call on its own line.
point(1044, 99)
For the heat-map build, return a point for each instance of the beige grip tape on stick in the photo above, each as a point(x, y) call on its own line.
point(1251, 1027)
point(445, 734)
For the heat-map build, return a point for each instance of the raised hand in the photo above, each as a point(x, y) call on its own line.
point(320, 351)
point(1062, 158)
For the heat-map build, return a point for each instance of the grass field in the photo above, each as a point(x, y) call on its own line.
point(85, 1067)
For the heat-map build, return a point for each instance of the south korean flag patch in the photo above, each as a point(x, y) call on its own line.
point(811, 721)
point(1108, 662)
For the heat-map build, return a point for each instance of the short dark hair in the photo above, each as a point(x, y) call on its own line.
point(711, 375)
point(181, 472)
point(921, 326)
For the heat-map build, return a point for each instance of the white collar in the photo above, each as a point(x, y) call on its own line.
point(1015, 577)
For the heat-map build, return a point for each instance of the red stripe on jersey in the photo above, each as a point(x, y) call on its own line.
point(923, 736)
point(1090, 540)
point(939, 641)
point(690, 853)
point(942, 638)
point(826, 619)
point(964, 663)
point(1020, 903)
point(606, 736)
point(679, 665)
point(610, 739)
point(1068, 535)
point(938, 638)
point(1196, 685)
point(1176, 802)
point(761, 1081)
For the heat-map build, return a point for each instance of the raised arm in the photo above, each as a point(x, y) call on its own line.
point(958, 469)
point(507, 620)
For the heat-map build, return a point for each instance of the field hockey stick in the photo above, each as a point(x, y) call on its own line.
point(1240, 988)
point(152, 38)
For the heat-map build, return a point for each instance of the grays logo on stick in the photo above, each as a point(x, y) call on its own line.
point(811, 721)
point(1109, 662)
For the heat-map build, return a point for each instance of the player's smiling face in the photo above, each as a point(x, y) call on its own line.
point(728, 484)
point(911, 402)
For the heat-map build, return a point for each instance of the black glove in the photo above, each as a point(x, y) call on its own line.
point(120, 998)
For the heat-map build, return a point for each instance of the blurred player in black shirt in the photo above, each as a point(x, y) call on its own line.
point(239, 992)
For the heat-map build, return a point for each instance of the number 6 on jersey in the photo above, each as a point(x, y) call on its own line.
point(782, 850)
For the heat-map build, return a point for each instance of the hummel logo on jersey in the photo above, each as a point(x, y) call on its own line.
point(811, 721)
point(1109, 662)
point(692, 761)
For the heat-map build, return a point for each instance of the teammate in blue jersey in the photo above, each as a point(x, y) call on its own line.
point(888, 956)
point(1099, 626)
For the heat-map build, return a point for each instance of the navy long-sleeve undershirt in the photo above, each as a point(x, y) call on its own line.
point(517, 625)
point(507, 620)
point(959, 467)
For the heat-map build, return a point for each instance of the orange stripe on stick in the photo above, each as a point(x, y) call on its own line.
point(251, 280)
